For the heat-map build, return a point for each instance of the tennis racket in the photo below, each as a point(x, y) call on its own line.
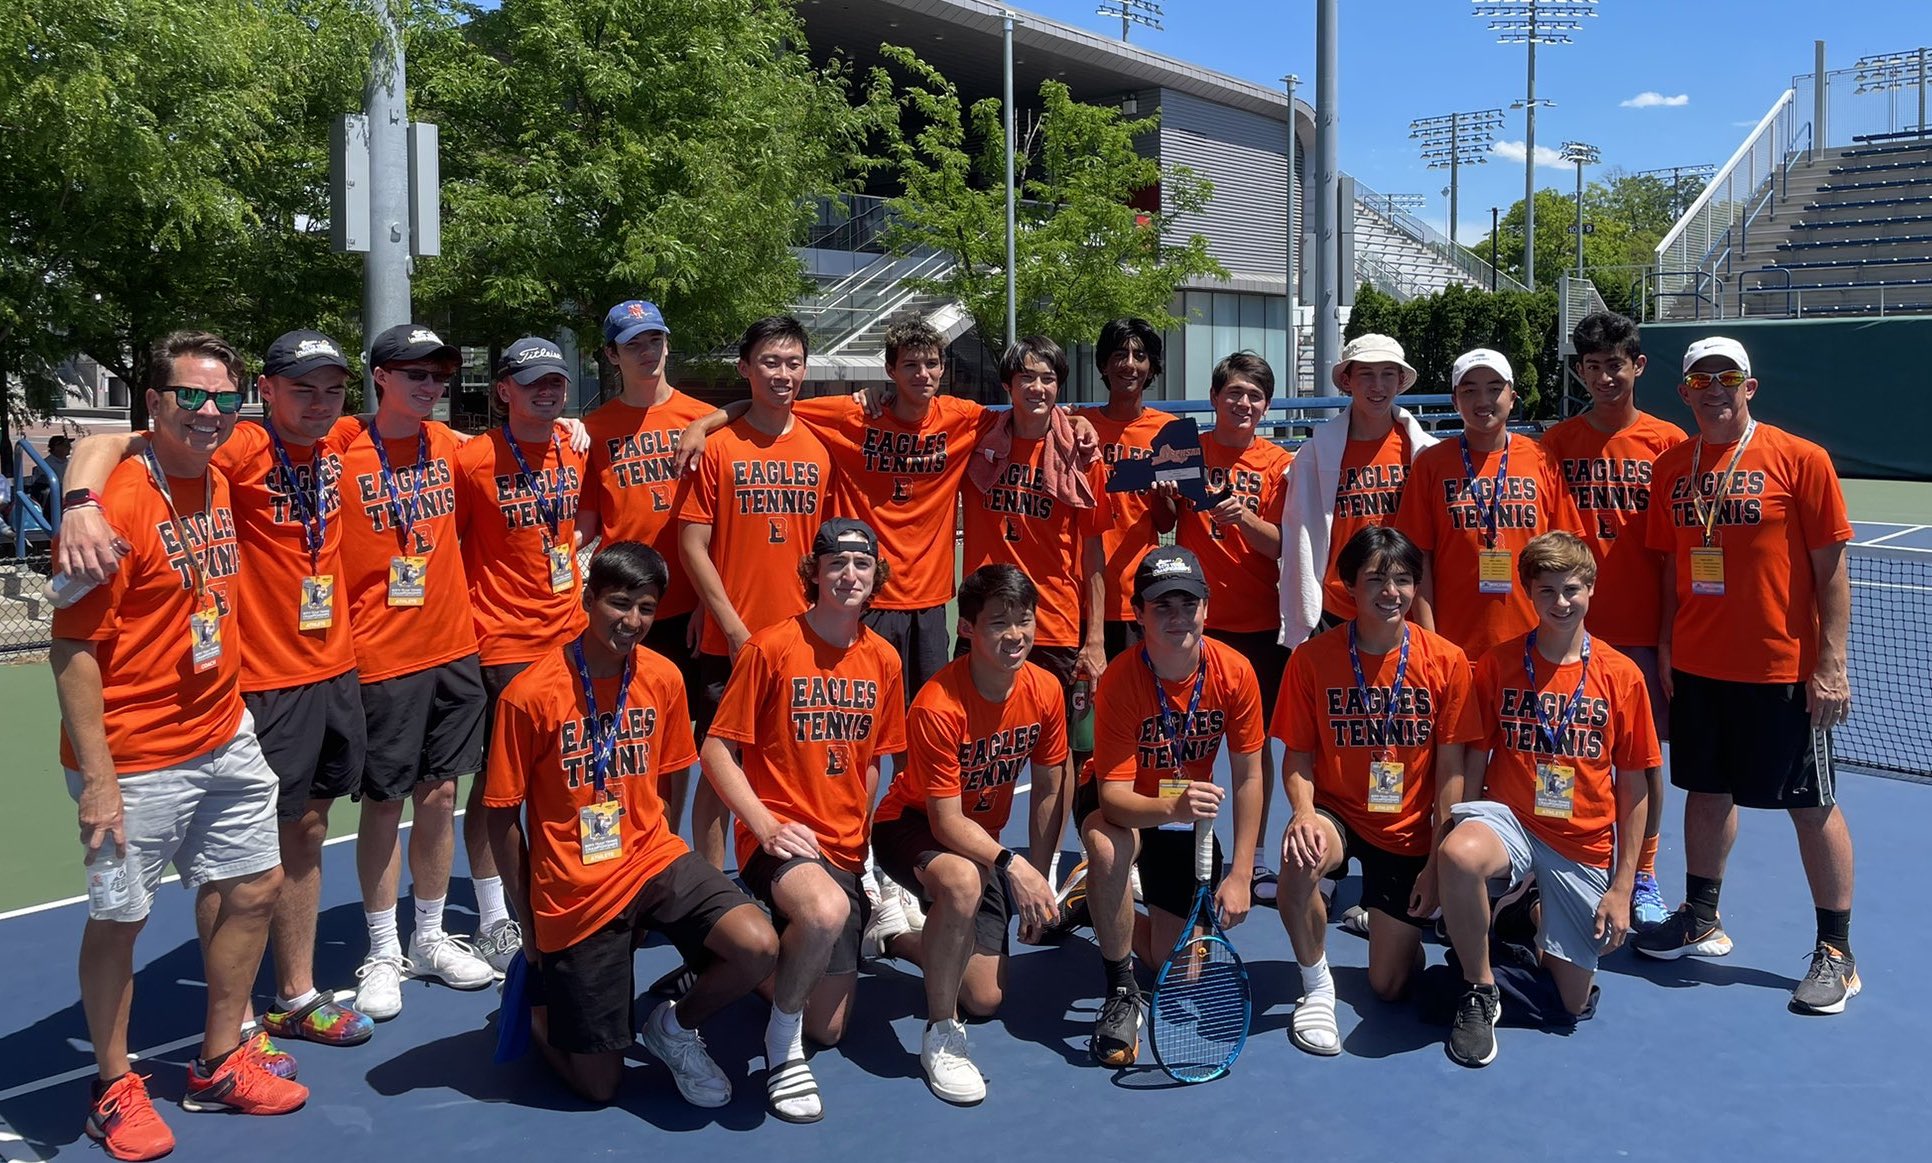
point(1201, 1004)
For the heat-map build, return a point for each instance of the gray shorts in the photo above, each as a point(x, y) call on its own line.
point(1646, 659)
point(1570, 891)
point(213, 818)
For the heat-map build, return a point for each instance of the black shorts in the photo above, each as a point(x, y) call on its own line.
point(1264, 651)
point(923, 639)
point(590, 987)
point(903, 846)
point(1751, 741)
point(1387, 877)
point(1117, 637)
point(423, 728)
point(495, 679)
point(1165, 861)
point(314, 738)
point(763, 869)
point(713, 671)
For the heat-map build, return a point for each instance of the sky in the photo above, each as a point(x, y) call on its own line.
point(1651, 83)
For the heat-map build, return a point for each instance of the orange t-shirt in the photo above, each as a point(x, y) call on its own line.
point(904, 481)
point(1245, 586)
point(159, 711)
point(811, 719)
point(1368, 492)
point(1322, 712)
point(631, 486)
point(1128, 532)
point(1441, 515)
point(540, 760)
point(398, 640)
point(506, 544)
point(1783, 501)
point(1017, 522)
point(1574, 814)
point(1128, 743)
point(276, 653)
point(961, 745)
point(1609, 480)
point(764, 498)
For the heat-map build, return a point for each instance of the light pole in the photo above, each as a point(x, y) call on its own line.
point(1294, 335)
point(1131, 12)
point(1533, 22)
point(1893, 71)
point(1678, 203)
point(1582, 155)
point(1455, 140)
point(1494, 225)
point(1393, 204)
point(1328, 188)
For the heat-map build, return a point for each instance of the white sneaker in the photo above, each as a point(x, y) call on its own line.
point(1133, 881)
point(915, 912)
point(888, 921)
point(380, 993)
point(450, 960)
point(949, 1073)
point(682, 1051)
point(499, 944)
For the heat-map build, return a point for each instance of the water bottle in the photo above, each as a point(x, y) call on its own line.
point(64, 589)
point(1080, 713)
point(108, 890)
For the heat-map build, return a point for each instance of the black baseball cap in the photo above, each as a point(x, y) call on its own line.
point(297, 353)
point(410, 341)
point(528, 360)
point(845, 535)
point(1168, 569)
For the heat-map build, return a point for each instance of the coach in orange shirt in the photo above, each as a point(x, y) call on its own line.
point(1756, 610)
point(814, 704)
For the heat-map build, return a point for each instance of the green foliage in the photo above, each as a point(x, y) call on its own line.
point(1084, 254)
point(1435, 329)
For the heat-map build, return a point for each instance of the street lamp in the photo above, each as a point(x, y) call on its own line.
point(1889, 72)
point(1533, 22)
point(1582, 155)
point(1145, 13)
point(1453, 140)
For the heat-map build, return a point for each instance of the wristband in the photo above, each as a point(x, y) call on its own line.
point(77, 497)
point(1002, 860)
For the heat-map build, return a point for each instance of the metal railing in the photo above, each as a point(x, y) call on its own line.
point(1850, 114)
point(843, 312)
point(1429, 238)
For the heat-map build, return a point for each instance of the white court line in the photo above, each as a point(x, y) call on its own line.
point(1901, 531)
point(81, 1072)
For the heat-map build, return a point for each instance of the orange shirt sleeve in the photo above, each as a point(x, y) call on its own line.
point(1116, 726)
point(1636, 748)
point(934, 730)
point(1274, 490)
point(1820, 501)
point(1297, 710)
point(749, 687)
point(889, 729)
point(698, 498)
point(666, 693)
point(1050, 704)
point(1563, 511)
point(511, 756)
point(1454, 687)
point(1417, 515)
point(1481, 721)
point(1247, 731)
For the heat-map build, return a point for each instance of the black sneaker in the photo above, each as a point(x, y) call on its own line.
point(674, 984)
point(1683, 935)
point(1832, 981)
point(1472, 1039)
point(1116, 1036)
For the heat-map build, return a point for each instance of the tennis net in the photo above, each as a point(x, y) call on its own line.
point(1890, 662)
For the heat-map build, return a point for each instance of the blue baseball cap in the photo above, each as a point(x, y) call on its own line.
point(631, 318)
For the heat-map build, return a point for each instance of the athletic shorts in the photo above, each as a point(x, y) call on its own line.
point(923, 639)
point(314, 737)
point(1264, 651)
point(1646, 659)
point(1117, 637)
point(1751, 741)
point(1387, 877)
point(590, 987)
point(714, 672)
point(1570, 890)
point(764, 869)
point(212, 817)
point(424, 728)
point(903, 846)
point(1165, 860)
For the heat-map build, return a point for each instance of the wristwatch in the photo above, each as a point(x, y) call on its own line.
point(73, 497)
point(1002, 860)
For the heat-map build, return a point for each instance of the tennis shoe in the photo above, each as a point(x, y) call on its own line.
point(1683, 935)
point(909, 904)
point(1071, 912)
point(682, 1052)
point(950, 1074)
point(1829, 984)
point(122, 1119)
point(1472, 1037)
point(323, 1020)
point(450, 960)
point(498, 944)
point(256, 1044)
point(1355, 920)
point(1647, 908)
point(240, 1084)
point(1116, 1035)
point(674, 984)
point(888, 920)
point(379, 992)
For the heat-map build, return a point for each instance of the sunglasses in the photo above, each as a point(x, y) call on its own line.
point(191, 399)
point(1698, 381)
point(416, 375)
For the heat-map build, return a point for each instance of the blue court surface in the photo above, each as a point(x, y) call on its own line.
point(1691, 1059)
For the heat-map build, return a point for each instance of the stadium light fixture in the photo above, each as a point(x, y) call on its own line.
point(1580, 155)
point(1454, 140)
point(1145, 13)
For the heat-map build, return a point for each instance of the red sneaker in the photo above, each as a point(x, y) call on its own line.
point(241, 1084)
point(124, 1122)
point(270, 1057)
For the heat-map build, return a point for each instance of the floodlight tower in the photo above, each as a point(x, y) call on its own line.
point(1580, 155)
point(1677, 174)
point(1533, 22)
point(1890, 72)
point(1455, 140)
point(1145, 13)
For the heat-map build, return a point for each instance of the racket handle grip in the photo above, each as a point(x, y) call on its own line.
point(1203, 851)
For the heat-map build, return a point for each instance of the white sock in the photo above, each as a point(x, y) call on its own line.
point(1316, 979)
point(289, 1005)
point(489, 901)
point(429, 918)
point(382, 932)
point(667, 1020)
point(784, 1037)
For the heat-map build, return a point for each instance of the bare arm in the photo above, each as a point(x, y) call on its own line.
point(1450, 757)
point(1613, 911)
point(1264, 537)
point(726, 775)
point(1127, 808)
point(1828, 691)
point(89, 547)
point(77, 685)
point(691, 441)
point(505, 830)
point(1032, 895)
point(1093, 654)
point(1234, 897)
point(694, 547)
point(1048, 816)
point(1303, 844)
point(1666, 622)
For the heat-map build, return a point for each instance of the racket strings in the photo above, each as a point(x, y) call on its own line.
point(1200, 1010)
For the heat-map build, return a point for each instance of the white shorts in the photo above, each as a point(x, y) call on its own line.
point(1570, 889)
point(213, 818)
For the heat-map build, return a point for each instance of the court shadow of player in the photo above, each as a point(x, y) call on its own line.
point(1689, 971)
point(1052, 997)
point(888, 992)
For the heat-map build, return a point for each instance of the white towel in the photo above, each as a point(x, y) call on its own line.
point(1307, 512)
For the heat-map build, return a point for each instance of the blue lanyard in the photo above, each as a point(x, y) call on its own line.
point(1493, 511)
point(403, 515)
point(309, 505)
point(1553, 734)
point(603, 744)
point(1395, 689)
point(1171, 729)
point(549, 507)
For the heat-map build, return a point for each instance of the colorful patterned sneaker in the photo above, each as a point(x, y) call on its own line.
point(323, 1020)
point(240, 1084)
point(123, 1121)
point(1683, 935)
point(256, 1044)
point(499, 943)
point(1831, 982)
point(1647, 909)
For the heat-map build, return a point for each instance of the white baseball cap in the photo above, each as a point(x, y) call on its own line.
point(1469, 361)
point(1717, 345)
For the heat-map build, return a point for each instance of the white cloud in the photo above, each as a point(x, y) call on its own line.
point(1651, 99)
point(1546, 158)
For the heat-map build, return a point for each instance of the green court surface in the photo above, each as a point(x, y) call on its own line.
point(1904, 502)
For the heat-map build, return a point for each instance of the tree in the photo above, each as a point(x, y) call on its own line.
point(599, 150)
point(1434, 329)
point(1084, 253)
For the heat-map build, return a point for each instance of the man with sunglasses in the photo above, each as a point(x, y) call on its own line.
point(1757, 606)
